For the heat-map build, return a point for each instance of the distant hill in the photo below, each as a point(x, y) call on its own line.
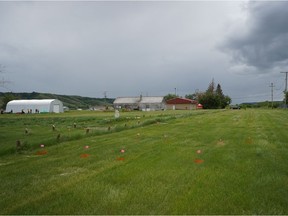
point(70, 101)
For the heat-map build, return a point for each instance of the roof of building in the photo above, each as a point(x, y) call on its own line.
point(32, 102)
point(181, 101)
point(152, 100)
point(126, 100)
point(136, 100)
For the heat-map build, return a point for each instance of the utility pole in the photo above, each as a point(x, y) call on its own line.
point(105, 96)
point(272, 86)
point(285, 91)
point(3, 81)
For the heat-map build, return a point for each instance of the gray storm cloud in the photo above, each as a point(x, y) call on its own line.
point(129, 48)
point(260, 44)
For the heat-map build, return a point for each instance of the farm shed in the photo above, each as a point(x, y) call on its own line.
point(140, 103)
point(131, 103)
point(181, 104)
point(35, 106)
point(152, 103)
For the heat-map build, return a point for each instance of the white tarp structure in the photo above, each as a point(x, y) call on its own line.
point(35, 106)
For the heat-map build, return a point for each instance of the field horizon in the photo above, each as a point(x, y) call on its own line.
point(164, 162)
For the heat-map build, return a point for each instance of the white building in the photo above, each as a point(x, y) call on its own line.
point(152, 103)
point(140, 103)
point(35, 106)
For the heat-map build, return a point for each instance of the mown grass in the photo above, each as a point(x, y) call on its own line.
point(33, 130)
point(244, 165)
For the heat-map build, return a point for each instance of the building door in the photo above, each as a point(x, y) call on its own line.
point(56, 108)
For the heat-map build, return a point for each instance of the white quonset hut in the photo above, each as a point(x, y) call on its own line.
point(35, 106)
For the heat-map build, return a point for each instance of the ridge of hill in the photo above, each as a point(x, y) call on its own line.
point(70, 101)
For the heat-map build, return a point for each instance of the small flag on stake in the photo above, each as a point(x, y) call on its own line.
point(84, 155)
point(198, 161)
point(42, 152)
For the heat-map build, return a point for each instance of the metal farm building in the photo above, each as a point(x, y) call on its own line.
point(35, 106)
point(140, 103)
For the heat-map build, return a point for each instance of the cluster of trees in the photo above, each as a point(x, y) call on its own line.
point(212, 98)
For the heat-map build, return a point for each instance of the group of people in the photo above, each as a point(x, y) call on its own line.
point(22, 111)
point(30, 111)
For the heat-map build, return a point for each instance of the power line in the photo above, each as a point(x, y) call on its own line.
point(285, 80)
point(272, 86)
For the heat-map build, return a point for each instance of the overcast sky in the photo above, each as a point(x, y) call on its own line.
point(128, 48)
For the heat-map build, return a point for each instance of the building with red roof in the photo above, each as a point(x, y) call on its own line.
point(181, 104)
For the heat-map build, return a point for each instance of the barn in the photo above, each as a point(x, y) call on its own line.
point(140, 103)
point(181, 104)
point(35, 106)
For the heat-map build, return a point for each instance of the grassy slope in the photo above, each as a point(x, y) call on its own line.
point(244, 170)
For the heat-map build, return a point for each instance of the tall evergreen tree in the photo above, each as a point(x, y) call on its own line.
point(219, 91)
point(220, 97)
point(211, 87)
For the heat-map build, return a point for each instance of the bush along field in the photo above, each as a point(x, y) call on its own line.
point(186, 162)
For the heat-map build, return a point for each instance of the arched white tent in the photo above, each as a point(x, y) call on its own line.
point(34, 106)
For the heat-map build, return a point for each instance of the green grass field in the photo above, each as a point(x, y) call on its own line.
point(241, 168)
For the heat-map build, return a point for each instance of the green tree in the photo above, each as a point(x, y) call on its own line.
point(192, 96)
point(211, 87)
point(228, 100)
point(7, 97)
point(222, 99)
point(214, 98)
point(170, 96)
point(208, 100)
point(219, 91)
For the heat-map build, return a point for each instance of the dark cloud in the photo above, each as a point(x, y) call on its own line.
point(261, 42)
